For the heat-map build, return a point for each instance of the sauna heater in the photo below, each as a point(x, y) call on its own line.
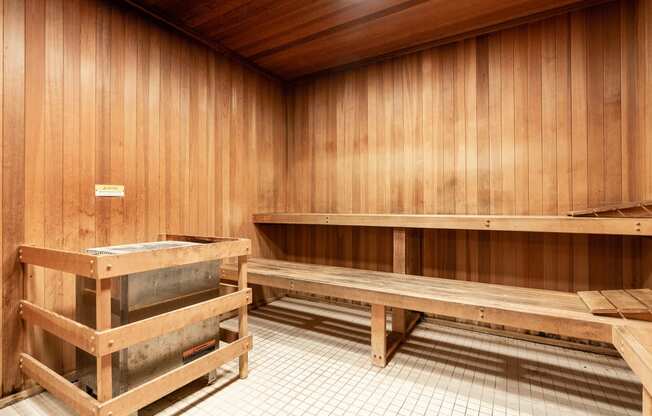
point(142, 295)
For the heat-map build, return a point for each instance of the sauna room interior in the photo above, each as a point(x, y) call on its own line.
point(326, 207)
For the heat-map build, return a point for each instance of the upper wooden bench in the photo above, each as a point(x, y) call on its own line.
point(549, 311)
point(525, 223)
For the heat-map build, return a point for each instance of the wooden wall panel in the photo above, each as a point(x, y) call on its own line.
point(95, 93)
point(12, 178)
point(640, 51)
point(528, 120)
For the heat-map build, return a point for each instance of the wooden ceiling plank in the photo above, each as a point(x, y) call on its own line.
point(203, 11)
point(347, 43)
point(354, 20)
point(387, 33)
point(292, 39)
point(307, 23)
point(283, 18)
point(245, 15)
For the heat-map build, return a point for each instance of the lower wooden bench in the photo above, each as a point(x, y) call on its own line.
point(533, 309)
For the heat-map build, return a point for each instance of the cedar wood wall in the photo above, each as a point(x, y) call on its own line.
point(537, 119)
point(94, 93)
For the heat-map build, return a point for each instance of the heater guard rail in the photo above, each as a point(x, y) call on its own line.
point(104, 340)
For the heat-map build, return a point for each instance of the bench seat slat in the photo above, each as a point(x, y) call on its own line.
point(628, 306)
point(643, 295)
point(597, 303)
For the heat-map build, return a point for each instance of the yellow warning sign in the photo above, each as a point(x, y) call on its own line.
point(110, 191)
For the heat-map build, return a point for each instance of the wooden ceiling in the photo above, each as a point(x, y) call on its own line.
point(292, 38)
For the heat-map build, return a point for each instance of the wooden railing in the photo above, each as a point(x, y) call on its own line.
point(103, 340)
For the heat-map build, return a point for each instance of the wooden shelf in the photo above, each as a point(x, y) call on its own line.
point(524, 223)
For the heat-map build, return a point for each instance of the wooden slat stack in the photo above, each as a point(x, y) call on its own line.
point(636, 209)
point(629, 304)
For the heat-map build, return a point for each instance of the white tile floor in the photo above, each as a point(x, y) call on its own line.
point(313, 359)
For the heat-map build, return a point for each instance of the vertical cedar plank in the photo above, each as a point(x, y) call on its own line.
point(563, 126)
point(142, 129)
point(116, 124)
point(71, 155)
point(548, 150)
point(628, 112)
point(35, 147)
point(53, 146)
point(87, 122)
point(102, 120)
point(579, 137)
point(129, 148)
point(153, 110)
point(13, 183)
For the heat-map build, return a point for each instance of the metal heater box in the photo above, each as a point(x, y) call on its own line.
point(142, 295)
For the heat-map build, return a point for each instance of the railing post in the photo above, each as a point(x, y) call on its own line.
point(103, 321)
point(378, 335)
point(243, 329)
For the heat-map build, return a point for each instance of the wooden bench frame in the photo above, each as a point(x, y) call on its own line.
point(103, 340)
point(576, 324)
point(570, 323)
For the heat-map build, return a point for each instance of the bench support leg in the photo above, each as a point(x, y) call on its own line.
point(406, 260)
point(647, 403)
point(404, 321)
point(378, 335)
point(243, 329)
